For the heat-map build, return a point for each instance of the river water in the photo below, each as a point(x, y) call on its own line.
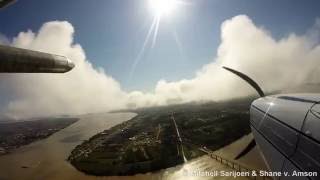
point(46, 159)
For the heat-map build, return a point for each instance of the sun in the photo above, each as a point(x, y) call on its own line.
point(158, 8)
point(163, 7)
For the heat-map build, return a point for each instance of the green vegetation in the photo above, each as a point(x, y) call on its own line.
point(149, 141)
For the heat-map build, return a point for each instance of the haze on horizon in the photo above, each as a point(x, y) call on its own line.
point(274, 62)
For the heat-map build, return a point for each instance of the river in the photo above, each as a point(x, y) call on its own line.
point(46, 159)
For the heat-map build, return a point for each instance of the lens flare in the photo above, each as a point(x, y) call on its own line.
point(159, 8)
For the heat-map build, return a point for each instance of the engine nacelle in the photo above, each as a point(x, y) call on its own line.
point(287, 131)
point(16, 60)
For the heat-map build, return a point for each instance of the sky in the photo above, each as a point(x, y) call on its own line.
point(277, 43)
point(112, 32)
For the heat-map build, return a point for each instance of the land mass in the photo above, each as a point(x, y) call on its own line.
point(19, 133)
point(150, 141)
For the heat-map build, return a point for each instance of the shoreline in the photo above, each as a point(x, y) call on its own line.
point(148, 142)
point(15, 135)
point(48, 156)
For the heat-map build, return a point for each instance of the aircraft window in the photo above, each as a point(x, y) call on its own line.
point(312, 125)
point(309, 145)
point(316, 113)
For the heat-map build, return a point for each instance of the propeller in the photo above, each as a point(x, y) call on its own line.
point(250, 81)
point(246, 150)
point(247, 79)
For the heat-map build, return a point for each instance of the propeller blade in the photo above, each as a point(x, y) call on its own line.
point(253, 84)
point(249, 147)
point(247, 79)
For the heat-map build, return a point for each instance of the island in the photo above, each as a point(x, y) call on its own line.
point(162, 137)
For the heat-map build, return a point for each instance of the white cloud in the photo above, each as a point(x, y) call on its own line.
point(274, 64)
point(82, 90)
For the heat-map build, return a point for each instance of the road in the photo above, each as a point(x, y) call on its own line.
point(179, 139)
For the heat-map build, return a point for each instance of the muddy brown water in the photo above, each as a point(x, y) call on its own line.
point(46, 159)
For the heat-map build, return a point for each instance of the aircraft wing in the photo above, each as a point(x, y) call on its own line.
point(4, 3)
point(17, 60)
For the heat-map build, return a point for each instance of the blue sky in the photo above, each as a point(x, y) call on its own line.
point(112, 32)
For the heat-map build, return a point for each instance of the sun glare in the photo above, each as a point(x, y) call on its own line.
point(159, 8)
point(163, 7)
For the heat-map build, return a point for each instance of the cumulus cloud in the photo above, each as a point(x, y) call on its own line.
point(82, 90)
point(274, 63)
